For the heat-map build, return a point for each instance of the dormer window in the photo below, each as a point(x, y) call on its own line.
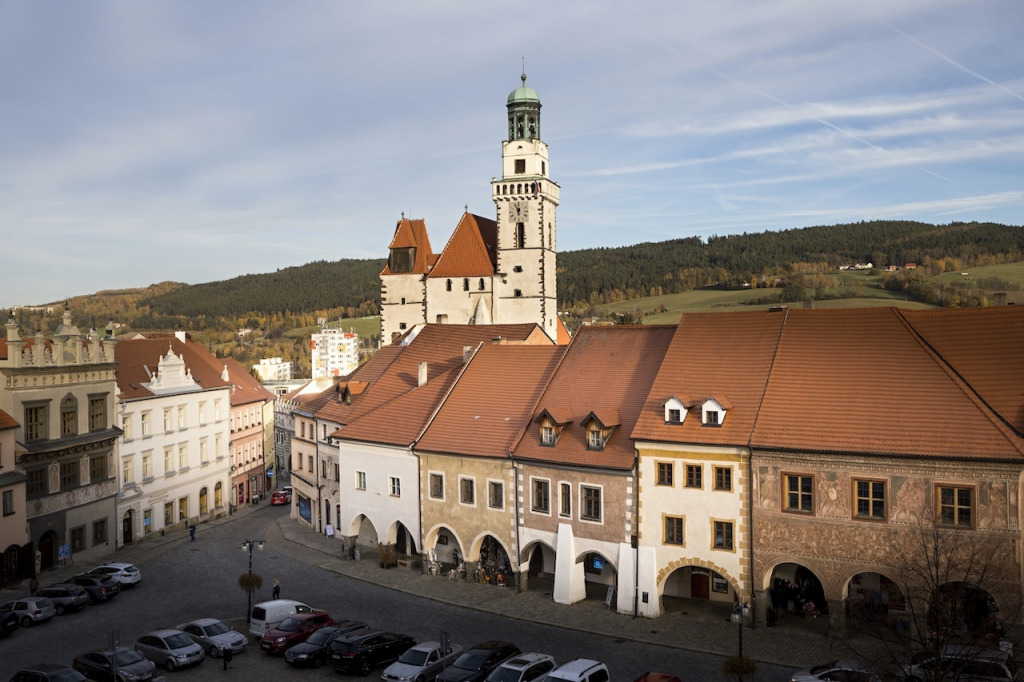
point(713, 411)
point(600, 424)
point(551, 423)
point(675, 409)
point(594, 439)
point(547, 435)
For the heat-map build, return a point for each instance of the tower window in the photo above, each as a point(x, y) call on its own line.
point(465, 283)
point(520, 165)
point(543, 167)
point(520, 235)
point(481, 284)
point(517, 293)
point(448, 285)
point(517, 268)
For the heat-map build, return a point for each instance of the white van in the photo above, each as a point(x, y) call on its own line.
point(267, 615)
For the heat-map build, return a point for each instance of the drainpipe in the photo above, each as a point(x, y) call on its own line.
point(635, 537)
point(515, 510)
point(750, 531)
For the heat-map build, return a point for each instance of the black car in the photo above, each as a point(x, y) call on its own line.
point(100, 588)
point(48, 672)
point(313, 652)
point(66, 597)
point(365, 650)
point(477, 663)
point(8, 623)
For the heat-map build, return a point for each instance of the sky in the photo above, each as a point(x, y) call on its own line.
point(196, 141)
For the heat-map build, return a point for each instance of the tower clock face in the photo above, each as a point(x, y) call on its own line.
point(518, 211)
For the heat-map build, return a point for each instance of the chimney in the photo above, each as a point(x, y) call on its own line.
point(180, 336)
point(467, 353)
point(422, 374)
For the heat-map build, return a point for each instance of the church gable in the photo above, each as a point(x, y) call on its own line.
point(471, 251)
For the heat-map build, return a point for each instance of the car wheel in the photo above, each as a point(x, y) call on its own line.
point(364, 668)
point(169, 665)
point(60, 609)
point(318, 660)
point(214, 651)
point(26, 622)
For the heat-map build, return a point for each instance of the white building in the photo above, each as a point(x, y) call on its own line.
point(274, 369)
point(335, 353)
point(174, 409)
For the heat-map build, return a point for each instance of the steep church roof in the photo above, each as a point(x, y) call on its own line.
point(412, 234)
point(472, 250)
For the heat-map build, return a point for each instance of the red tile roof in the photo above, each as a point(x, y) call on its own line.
point(492, 402)
point(725, 355)
point(986, 348)
point(471, 251)
point(604, 369)
point(412, 234)
point(860, 381)
point(394, 370)
point(7, 421)
point(137, 354)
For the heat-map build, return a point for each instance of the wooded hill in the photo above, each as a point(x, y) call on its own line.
point(294, 297)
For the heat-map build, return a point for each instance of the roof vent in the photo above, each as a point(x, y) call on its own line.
point(776, 308)
point(422, 377)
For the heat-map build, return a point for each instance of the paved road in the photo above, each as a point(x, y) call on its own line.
point(184, 580)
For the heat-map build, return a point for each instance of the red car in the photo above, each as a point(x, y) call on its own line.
point(279, 497)
point(293, 630)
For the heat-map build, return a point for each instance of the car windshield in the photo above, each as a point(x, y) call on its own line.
point(65, 676)
point(127, 657)
point(289, 625)
point(504, 675)
point(414, 657)
point(321, 636)
point(178, 640)
point(471, 661)
point(823, 668)
point(217, 628)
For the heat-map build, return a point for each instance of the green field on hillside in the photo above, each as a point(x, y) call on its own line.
point(365, 327)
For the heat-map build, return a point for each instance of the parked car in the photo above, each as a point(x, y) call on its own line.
point(962, 662)
point(293, 630)
point(287, 489)
point(30, 610)
point(131, 666)
point(126, 575)
point(523, 668)
point(66, 597)
point(214, 636)
point(849, 670)
point(279, 497)
point(48, 672)
point(170, 648)
point(9, 622)
point(477, 663)
point(313, 652)
point(365, 650)
point(267, 615)
point(99, 587)
point(580, 670)
point(421, 663)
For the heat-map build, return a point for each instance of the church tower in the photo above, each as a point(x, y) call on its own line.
point(526, 200)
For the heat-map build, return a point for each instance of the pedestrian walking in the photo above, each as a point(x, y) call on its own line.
point(192, 532)
point(227, 657)
point(277, 589)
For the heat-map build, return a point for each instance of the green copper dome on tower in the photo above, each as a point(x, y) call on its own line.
point(523, 94)
point(523, 113)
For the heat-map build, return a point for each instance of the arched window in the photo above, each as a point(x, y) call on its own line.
point(203, 503)
point(465, 284)
point(448, 285)
point(69, 416)
point(218, 495)
point(481, 284)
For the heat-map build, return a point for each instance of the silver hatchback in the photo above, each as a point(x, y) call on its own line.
point(30, 610)
point(171, 649)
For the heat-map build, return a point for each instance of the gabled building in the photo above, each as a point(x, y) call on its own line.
point(381, 410)
point(16, 562)
point(469, 494)
point(174, 409)
point(693, 449)
point(491, 271)
point(60, 390)
point(576, 465)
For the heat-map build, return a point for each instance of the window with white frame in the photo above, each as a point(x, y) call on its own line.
point(147, 465)
point(167, 419)
point(182, 421)
point(126, 426)
point(565, 500)
point(590, 509)
point(395, 484)
point(168, 461)
point(467, 491)
point(541, 503)
point(360, 480)
point(147, 428)
point(127, 470)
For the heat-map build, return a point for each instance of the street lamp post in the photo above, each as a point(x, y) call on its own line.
point(248, 545)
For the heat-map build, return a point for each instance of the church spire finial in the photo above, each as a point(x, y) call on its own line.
point(524, 72)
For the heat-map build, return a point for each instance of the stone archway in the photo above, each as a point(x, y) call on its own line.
point(874, 599)
point(540, 568)
point(964, 611)
point(684, 586)
point(796, 598)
